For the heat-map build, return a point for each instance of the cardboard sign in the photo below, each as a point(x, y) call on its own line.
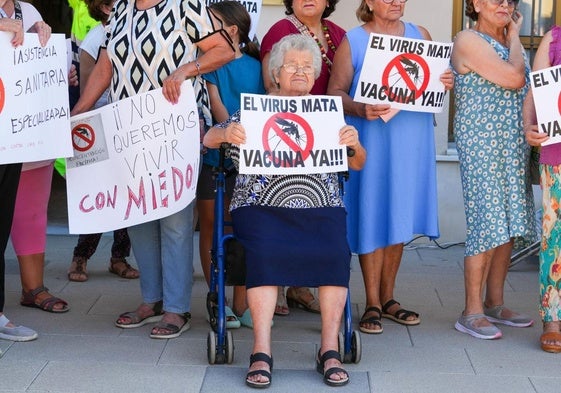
point(34, 109)
point(135, 160)
point(292, 135)
point(546, 87)
point(404, 73)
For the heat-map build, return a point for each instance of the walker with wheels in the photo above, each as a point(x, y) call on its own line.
point(220, 342)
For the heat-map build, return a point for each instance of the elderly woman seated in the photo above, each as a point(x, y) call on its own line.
point(292, 227)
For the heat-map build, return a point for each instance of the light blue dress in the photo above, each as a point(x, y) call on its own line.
point(493, 158)
point(393, 197)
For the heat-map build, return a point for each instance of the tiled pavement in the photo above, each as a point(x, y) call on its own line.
point(82, 351)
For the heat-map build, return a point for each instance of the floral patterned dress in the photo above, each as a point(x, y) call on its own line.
point(493, 158)
point(550, 180)
point(550, 253)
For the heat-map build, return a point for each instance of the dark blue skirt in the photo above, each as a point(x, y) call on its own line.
point(296, 247)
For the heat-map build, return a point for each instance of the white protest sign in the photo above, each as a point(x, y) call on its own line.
point(404, 73)
point(546, 88)
point(34, 109)
point(254, 10)
point(136, 160)
point(292, 135)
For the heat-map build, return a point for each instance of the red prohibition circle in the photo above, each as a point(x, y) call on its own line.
point(2, 95)
point(559, 103)
point(272, 126)
point(83, 137)
point(397, 63)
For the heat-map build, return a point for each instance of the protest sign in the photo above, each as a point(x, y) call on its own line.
point(292, 135)
point(404, 73)
point(135, 160)
point(546, 87)
point(254, 10)
point(34, 110)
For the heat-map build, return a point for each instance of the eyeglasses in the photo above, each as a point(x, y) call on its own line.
point(294, 68)
point(391, 1)
point(511, 3)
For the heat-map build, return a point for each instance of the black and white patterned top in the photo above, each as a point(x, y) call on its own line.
point(288, 191)
point(145, 46)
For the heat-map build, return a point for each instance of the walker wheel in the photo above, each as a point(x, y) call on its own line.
point(229, 347)
point(341, 338)
point(211, 347)
point(356, 347)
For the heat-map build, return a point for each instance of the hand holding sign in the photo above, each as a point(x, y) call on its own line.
point(402, 72)
point(143, 153)
point(235, 133)
point(294, 135)
point(34, 113)
point(13, 26)
point(546, 91)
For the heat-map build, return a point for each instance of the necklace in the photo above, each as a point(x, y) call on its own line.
point(330, 43)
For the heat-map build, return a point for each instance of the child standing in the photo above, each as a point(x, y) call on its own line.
point(241, 75)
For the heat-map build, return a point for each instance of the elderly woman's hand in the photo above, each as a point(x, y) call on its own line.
point(171, 87)
point(43, 31)
point(447, 79)
point(14, 26)
point(348, 136)
point(533, 137)
point(234, 133)
point(513, 28)
point(372, 112)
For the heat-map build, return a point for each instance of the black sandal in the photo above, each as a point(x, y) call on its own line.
point(259, 357)
point(330, 371)
point(375, 320)
point(401, 315)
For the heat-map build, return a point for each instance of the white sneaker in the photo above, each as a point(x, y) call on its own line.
point(16, 333)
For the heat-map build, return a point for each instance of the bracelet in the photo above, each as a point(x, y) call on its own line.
point(198, 66)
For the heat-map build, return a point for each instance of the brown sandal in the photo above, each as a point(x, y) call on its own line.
point(303, 298)
point(121, 267)
point(29, 299)
point(546, 338)
point(77, 271)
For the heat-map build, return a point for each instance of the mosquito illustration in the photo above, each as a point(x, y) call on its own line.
point(83, 131)
point(410, 67)
point(290, 129)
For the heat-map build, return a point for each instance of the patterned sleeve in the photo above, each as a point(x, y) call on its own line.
point(119, 7)
point(197, 19)
point(233, 151)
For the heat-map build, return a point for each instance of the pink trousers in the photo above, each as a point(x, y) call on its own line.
point(29, 227)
